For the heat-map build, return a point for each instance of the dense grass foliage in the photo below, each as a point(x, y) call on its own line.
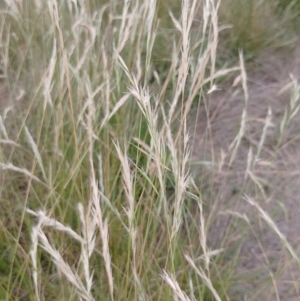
point(99, 197)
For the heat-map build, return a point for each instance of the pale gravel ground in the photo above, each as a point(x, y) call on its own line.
point(282, 180)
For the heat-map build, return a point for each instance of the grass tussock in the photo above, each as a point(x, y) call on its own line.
point(101, 197)
point(106, 185)
point(257, 25)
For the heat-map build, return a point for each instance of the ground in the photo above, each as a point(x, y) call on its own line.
point(274, 180)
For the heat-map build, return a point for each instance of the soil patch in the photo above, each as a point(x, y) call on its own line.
point(265, 169)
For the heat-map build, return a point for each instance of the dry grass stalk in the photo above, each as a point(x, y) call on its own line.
point(38, 235)
point(23, 171)
point(177, 291)
point(64, 268)
point(94, 213)
point(128, 186)
point(88, 245)
point(204, 277)
point(275, 228)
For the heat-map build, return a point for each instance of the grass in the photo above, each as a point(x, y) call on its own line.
point(257, 25)
point(100, 197)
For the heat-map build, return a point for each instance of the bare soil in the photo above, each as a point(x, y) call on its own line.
point(265, 269)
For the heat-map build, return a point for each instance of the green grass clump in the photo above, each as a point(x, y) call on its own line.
point(257, 25)
point(95, 179)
